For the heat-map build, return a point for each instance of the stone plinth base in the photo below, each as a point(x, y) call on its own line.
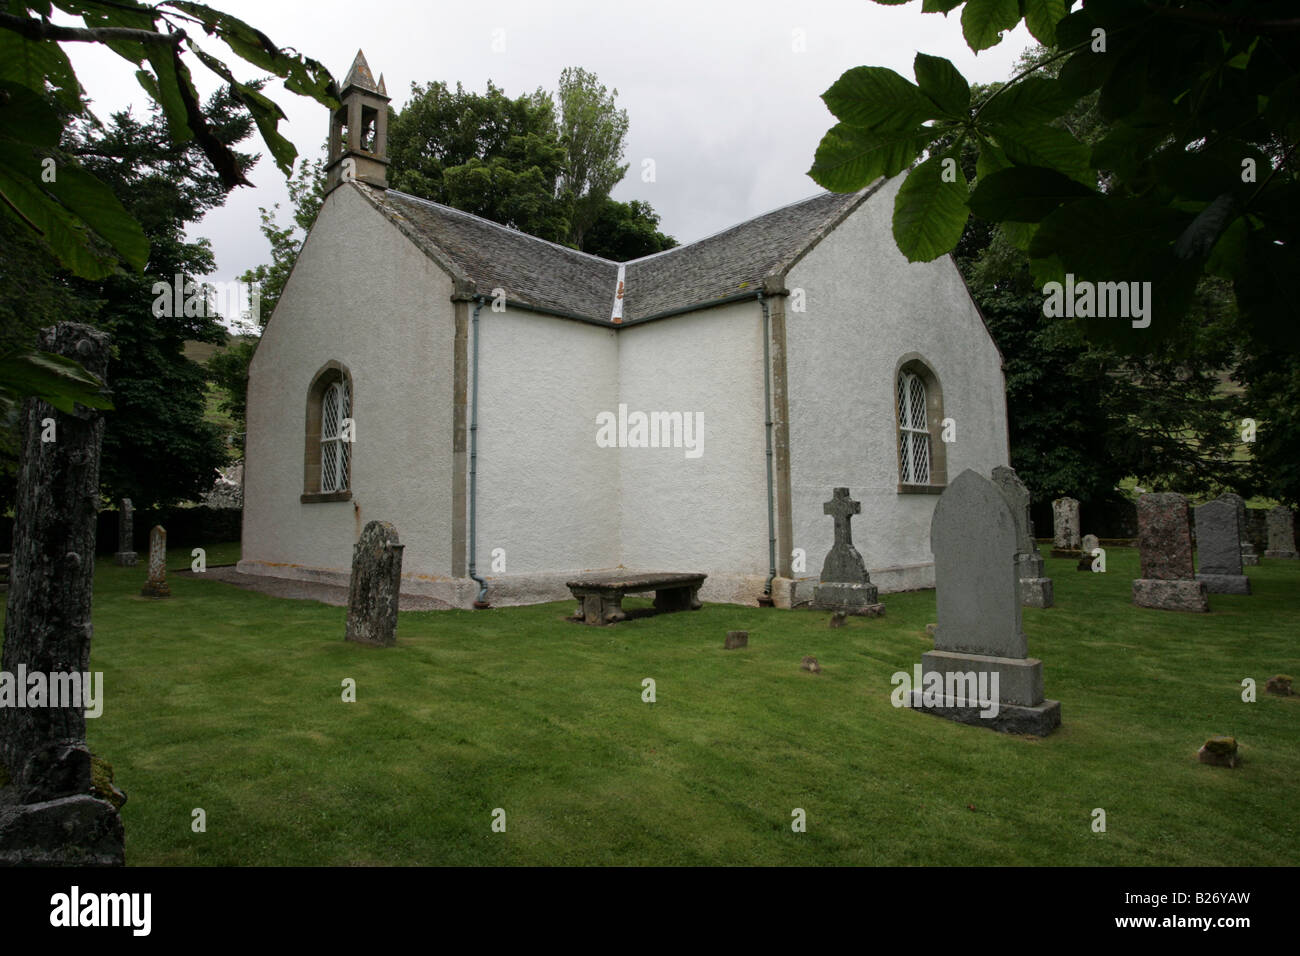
point(78, 830)
point(1037, 592)
point(1225, 583)
point(156, 589)
point(853, 598)
point(125, 559)
point(1039, 721)
point(1020, 679)
point(1286, 555)
point(1073, 554)
point(1174, 595)
point(1249, 560)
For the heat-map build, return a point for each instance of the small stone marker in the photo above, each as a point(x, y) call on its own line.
point(810, 664)
point(736, 639)
point(1168, 581)
point(1065, 528)
point(1219, 752)
point(1279, 684)
point(1281, 534)
point(375, 586)
point(156, 586)
point(837, 619)
point(1218, 548)
point(1090, 544)
point(1035, 589)
point(1249, 558)
point(845, 584)
point(973, 538)
point(125, 556)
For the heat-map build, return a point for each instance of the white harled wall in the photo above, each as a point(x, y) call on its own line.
point(867, 308)
point(363, 295)
point(707, 513)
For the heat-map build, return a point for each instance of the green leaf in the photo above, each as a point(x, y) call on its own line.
point(1228, 258)
point(1045, 146)
point(1023, 194)
point(167, 81)
point(31, 64)
point(876, 97)
point(52, 378)
point(1042, 16)
point(850, 157)
point(982, 21)
point(942, 82)
point(1030, 102)
point(929, 213)
point(939, 6)
point(56, 210)
point(27, 117)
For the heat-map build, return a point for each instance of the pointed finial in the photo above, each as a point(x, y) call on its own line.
point(360, 74)
point(382, 89)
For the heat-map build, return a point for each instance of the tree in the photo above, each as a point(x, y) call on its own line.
point(77, 218)
point(514, 162)
point(1194, 177)
point(483, 153)
point(593, 133)
point(625, 230)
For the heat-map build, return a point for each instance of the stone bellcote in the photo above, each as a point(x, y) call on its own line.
point(358, 147)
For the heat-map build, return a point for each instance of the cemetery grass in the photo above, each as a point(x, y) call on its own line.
point(230, 701)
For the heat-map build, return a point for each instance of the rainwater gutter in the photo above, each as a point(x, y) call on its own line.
point(766, 599)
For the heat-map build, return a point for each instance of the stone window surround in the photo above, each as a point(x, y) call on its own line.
point(915, 363)
point(327, 375)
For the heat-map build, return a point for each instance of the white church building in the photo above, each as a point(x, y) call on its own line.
point(524, 413)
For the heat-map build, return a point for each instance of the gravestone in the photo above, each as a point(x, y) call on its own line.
point(1249, 558)
point(1168, 581)
point(50, 813)
point(1090, 544)
point(845, 584)
point(375, 586)
point(125, 556)
point(979, 636)
point(736, 639)
point(156, 586)
point(1281, 534)
point(1257, 529)
point(1065, 528)
point(1035, 589)
point(1218, 548)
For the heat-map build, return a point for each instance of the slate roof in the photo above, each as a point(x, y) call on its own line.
point(484, 255)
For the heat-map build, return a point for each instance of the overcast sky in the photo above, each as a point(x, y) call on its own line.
point(715, 92)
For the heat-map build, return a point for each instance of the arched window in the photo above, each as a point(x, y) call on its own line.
point(913, 431)
point(918, 413)
point(335, 411)
point(327, 458)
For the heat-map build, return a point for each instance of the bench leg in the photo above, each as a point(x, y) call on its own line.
point(599, 609)
point(668, 600)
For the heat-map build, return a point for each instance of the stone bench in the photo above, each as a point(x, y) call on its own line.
point(600, 597)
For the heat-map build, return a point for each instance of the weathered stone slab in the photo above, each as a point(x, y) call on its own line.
point(125, 556)
point(1218, 548)
point(600, 596)
point(1189, 595)
point(845, 584)
point(978, 637)
point(48, 814)
point(1035, 589)
point(156, 586)
point(1281, 534)
point(375, 586)
point(1165, 537)
point(736, 639)
point(1065, 525)
point(1219, 752)
point(1249, 557)
point(1090, 544)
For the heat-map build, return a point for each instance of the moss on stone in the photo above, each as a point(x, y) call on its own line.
point(101, 782)
point(1221, 745)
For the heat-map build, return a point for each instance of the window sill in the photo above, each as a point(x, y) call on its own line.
point(319, 497)
point(920, 489)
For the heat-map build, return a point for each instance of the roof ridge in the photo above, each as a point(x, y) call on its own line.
point(509, 229)
point(744, 222)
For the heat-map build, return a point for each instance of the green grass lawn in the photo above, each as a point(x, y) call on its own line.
point(230, 701)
